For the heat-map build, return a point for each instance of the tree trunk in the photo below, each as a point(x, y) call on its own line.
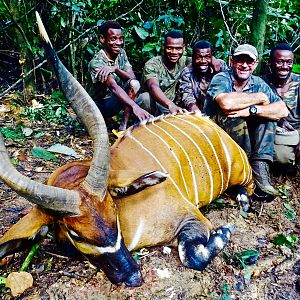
point(18, 10)
point(258, 31)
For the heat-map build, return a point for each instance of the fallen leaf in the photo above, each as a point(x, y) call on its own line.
point(18, 282)
point(43, 153)
point(27, 131)
point(62, 149)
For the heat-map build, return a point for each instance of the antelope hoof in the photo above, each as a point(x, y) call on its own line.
point(243, 200)
point(196, 252)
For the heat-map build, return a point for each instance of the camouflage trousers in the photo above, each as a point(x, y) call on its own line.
point(255, 135)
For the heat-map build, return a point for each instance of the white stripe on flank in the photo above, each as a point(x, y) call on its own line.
point(179, 164)
point(219, 132)
point(137, 236)
point(212, 147)
point(159, 163)
point(203, 157)
point(244, 169)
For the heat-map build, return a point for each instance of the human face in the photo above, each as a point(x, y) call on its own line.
point(113, 42)
point(202, 59)
point(282, 64)
point(173, 49)
point(242, 67)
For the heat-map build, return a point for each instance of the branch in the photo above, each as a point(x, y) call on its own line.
point(226, 25)
point(123, 15)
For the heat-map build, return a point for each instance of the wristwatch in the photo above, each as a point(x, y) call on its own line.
point(252, 110)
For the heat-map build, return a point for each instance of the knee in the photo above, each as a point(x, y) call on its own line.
point(134, 86)
point(144, 101)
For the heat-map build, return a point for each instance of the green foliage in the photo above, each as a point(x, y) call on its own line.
point(16, 134)
point(40, 152)
point(246, 257)
point(53, 110)
point(289, 241)
point(223, 23)
point(296, 68)
point(2, 280)
point(225, 292)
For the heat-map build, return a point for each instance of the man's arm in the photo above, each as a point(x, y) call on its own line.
point(159, 96)
point(273, 111)
point(186, 91)
point(103, 73)
point(124, 98)
point(233, 101)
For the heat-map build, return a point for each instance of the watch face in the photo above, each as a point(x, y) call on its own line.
point(252, 110)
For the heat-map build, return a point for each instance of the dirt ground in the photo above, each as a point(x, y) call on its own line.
point(275, 275)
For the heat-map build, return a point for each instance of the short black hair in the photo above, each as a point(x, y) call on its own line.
point(174, 34)
point(104, 27)
point(280, 46)
point(202, 44)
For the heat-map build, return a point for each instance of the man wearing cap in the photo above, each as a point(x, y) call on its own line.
point(247, 109)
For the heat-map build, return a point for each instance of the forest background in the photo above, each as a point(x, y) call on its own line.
point(72, 27)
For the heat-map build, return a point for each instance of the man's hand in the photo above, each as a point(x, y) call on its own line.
point(103, 73)
point(193, 107)
point(242, 113)
point(174, 109)
point(140, 113)
point(283, 123)
point(216, 64)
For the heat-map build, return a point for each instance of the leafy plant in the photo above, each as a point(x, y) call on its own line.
point(246, 257)
point(285, 240)
point(40, 152)
point(16, 134)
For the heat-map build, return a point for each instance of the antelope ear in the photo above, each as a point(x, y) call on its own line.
point(119, 188)
point(25, 232)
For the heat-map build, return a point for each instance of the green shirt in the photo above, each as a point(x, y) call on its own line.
point(97, 89)
point(291, 98)
point(168, 81)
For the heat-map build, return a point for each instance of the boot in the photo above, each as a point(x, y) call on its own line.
point(261, 176)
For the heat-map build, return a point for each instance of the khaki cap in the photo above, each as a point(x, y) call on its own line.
point(246, 49)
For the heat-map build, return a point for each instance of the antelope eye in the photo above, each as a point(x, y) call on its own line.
point(75, 236)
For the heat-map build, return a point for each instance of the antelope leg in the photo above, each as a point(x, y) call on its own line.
point(197, 247)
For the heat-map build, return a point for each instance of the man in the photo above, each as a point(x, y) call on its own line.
point(286, 85)
point(195, 78)
point(111, 81)
point(161, 75)
point(245, 106)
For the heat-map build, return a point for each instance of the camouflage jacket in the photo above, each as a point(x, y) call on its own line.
point(97, 89)
point(168, 81)
point(291, 98)
point(224, 83)
point(193, 88)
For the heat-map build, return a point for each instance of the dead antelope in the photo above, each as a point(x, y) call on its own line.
point(159, 174)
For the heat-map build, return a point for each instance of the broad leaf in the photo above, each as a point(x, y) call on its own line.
point(141, 32)
point(40, 152)
point(62, 149)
